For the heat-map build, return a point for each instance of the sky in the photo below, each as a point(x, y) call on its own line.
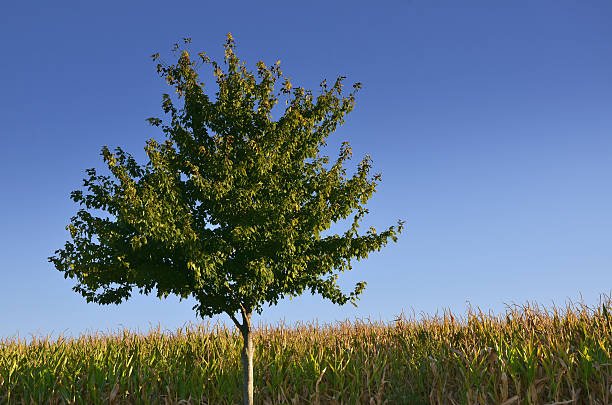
point(491, 123)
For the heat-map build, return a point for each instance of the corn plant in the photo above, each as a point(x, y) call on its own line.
point(527, 357)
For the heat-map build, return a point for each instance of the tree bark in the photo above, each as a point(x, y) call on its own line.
point(247, 360)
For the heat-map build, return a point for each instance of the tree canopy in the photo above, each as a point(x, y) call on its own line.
point(231, 207)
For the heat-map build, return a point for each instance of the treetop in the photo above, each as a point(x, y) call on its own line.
point(231, 207)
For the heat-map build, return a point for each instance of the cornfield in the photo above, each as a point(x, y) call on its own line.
point(527, 357)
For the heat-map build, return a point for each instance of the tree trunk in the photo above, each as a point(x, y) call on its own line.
point(247, 361)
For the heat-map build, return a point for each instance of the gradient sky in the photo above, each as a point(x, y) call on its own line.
point(491, 123)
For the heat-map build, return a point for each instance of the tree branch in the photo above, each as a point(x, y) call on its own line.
point(238, 325)
point(235, 297)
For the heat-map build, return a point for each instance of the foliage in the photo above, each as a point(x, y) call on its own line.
point(523, 358)
point(230, 208)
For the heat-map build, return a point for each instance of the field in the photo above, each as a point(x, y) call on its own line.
point(529, 356)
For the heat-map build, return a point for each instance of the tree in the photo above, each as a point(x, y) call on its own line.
point(230, 208)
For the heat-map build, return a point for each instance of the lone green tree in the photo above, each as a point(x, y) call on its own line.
point(230, 208)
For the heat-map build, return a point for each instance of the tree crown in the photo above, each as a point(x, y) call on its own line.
point(230, 208)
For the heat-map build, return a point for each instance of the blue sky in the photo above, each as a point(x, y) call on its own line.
point(491, 123)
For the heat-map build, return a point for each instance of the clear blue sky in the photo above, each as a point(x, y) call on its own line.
point(491, 123)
